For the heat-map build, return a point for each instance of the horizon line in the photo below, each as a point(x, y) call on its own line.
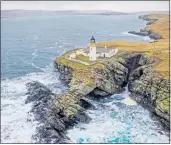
point(84, 10)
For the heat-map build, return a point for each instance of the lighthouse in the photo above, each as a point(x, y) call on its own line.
point(92, 47)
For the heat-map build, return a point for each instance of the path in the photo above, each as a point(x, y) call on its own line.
point(78, 61)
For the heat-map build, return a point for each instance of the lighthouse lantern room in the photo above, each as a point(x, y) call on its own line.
point(92, 47)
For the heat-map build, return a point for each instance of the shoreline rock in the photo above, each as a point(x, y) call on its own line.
point(58, 112)
point(55, 112)
point(149, 33)
point(129, 68)
point(152, 91)
point(146, 32)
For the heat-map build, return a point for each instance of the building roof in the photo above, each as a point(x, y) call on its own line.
point(99, 49)
point(92, 38)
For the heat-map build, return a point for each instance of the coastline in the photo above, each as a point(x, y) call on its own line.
point(130, 67)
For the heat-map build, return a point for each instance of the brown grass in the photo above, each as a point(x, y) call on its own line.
point(160, 49)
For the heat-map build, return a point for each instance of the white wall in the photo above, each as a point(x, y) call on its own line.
point(92, 56)
point(72, 55)
point(104, 55)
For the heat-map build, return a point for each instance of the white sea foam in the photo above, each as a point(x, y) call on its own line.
point(35, 37)
point(126, 33)
point(14, 124)
point(17, 125)
point(146, 38)
point(37, 67)
point(34, 54)
point(116, 122)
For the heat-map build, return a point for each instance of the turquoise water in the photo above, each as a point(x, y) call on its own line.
point(117, 122)
point(28, 48)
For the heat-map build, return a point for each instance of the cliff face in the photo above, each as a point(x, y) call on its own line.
point(146, 86)
point(129, 67)
point(55, 112)
point(106, 80)
point(149, 89)
point(58, 112)
point(146, 31)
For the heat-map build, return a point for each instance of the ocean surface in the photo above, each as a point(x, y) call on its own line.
point(28, 49)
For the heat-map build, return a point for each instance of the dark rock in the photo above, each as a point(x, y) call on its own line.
point(65, 72)
point(45, 134)
point(155, 36)
point(151, 22)
point(152, 91)
point(149, 33)
point(98, 92)
point(85, 103)
point(134, 69)
point(146, 33)
point(82, 117)
point(53, 117)
point(37, 91)
point(111, 78)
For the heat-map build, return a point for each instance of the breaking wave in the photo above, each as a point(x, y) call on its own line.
point(145, 38)
point(17, 124)
point(118, 121)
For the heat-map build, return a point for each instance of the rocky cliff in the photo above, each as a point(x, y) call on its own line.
point(58, 112)
point(146, 86)
point(152, 91)
point(133, 68)
point(55, 112)
point(145, 31)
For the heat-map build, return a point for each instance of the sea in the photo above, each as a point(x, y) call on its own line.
point(29, 46)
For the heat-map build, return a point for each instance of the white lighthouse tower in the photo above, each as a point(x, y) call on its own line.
point(92, 47)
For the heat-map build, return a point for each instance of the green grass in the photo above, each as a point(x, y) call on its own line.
point(76, 65)
point(67, 54)
point(70, 63)
point(90, 83)
point(83, 58)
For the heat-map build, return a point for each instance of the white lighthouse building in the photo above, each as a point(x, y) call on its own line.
point(92, 51)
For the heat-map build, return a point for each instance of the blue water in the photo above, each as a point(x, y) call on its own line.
point(29, 46)
point(117, 122)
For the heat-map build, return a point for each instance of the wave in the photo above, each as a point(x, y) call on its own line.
point(17, 124)
point(146, 38)
point(116, 122)
point(126, 33)
point(37, 67)
point(35, 37)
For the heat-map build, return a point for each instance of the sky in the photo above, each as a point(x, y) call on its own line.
point(121, 6)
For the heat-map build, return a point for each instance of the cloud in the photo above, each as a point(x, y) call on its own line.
point(124, 6)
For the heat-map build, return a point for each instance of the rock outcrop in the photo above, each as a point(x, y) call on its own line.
point(55, 112)
point(134, 69)
point(152, 91)
point(147, 32)
point(58, 112)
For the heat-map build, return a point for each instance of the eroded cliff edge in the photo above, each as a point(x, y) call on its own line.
point(144, 72)
point(128, 68)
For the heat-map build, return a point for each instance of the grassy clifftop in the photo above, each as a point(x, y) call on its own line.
point(158, 50)
point(161, 26)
